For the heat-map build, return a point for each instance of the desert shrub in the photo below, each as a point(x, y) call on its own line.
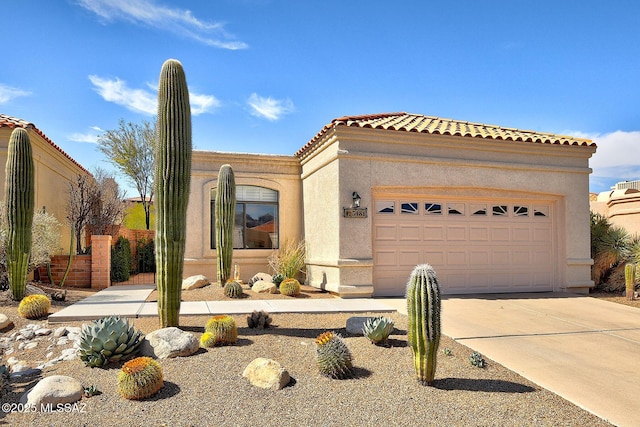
point(610, 246)
point(121, 260)
point(289, 259)
point(145, 256)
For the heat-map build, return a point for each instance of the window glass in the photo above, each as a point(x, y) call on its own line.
point(385, 206)
point(409, 208)
point(256, 218)
point(455, 208)
point(433, 209)
point(541, 211)
point(500, 210)
point(478, 209)
point(521, 210)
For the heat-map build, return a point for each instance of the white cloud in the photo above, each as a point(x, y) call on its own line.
point(88, 137)
point(145, 101)
point(178, 21)
point(7, 93)
point(117, 91)
point(269, 108)
point(617, 157)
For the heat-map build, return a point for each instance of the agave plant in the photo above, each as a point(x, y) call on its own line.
point(377, 329)
point(109, 339)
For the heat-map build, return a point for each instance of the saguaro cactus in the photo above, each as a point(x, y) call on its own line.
point(630, 280)
point(19, 189)
point(423, 303)
point(225, 207)
point(172, 184)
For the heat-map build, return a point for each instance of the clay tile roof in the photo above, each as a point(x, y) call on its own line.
point(407, 122)
point(13, 122)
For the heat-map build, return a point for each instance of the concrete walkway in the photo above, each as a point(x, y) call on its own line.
point(129, 301)
point(581, 348)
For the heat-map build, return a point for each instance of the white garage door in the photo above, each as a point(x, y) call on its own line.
point(474, 246)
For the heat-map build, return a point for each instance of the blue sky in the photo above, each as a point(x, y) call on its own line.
point(266, 75)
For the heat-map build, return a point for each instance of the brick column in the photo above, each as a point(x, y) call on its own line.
point(100, 262)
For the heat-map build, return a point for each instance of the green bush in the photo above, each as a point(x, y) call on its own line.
point(145, 256)
point(120, 260)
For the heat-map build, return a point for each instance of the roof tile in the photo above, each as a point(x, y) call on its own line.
point(407, 122)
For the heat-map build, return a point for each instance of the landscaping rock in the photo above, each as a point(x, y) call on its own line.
point(195, 282)
point(260, 276)
point(4, 321)
point(33, 290)
point(266, 373)
point(355, 324)
point(169, 342)
point(54, 390)
point(263, 287)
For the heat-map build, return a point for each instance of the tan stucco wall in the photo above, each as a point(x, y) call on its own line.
point(281, 173)
point(622, 207)
point(53, 173)
point(368, 160)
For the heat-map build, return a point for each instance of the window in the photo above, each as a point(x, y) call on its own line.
point(385, 206)
point(256, 218)
point(500, 210)
point(478, 209)
point(455, 208)
point(409, 208)
point(521, 210)
point(541, 211)
point(433, 209)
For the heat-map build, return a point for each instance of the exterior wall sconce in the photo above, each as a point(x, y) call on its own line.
point(355, 211)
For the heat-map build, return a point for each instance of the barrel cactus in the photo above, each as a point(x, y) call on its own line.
point(333, 356)
point(423, 309)
point(290, 287)
point(172, 155)
point(378, 329)
point(19, 201)
point(233, 289)
point(630, 280)
point(225, 208)
point(221, 329)
point(105, 340)
point(34, 306)
point(259, 319)
point(140, 378)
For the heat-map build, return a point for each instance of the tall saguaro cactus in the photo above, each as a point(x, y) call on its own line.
point(225, 207)
point(172, 153)
point(423, 303)
point(19, 201)
point(630, 280)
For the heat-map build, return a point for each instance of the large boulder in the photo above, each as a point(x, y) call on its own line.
point(195, 282)
point(54, 390)
point(266, 373)
point(263, 287)
point(260, 276)
point(355, 324)
point(169, 342)
point(4, 321)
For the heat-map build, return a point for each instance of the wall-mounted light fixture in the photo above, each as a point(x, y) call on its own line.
point(356, 199)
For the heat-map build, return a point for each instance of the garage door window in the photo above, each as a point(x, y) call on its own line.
point(385, 207)
point(409, 208)
point(455, 208)
point(500, 210)
point(521, 210)
point(433, 209)
point(478, 210)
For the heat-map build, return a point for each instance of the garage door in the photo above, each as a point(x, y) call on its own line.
point(474, 246)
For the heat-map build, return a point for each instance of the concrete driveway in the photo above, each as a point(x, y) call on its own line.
point(583, 349)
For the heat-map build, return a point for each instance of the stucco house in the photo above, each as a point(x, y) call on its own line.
point(54, 170)
point(621, 205)
point(493, 209)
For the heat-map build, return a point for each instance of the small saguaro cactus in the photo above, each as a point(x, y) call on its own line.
point(19, 201)
point(225, 208)
point(423, 304)
point(630, 280)
point(172, 154)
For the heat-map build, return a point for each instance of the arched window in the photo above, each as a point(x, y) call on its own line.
point(256, 219)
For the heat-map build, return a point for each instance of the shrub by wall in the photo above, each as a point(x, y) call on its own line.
point(121, 260)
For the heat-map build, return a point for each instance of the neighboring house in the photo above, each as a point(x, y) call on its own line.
point(492, 209)
point(54, 170)
point(621, 205)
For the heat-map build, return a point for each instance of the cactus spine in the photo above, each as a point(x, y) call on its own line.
point(423, 303)
point(630, 280)
point(19, 200)
point(172, 154)
point(225, 207)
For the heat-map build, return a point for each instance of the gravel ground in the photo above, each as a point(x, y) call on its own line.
point(207, 388)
